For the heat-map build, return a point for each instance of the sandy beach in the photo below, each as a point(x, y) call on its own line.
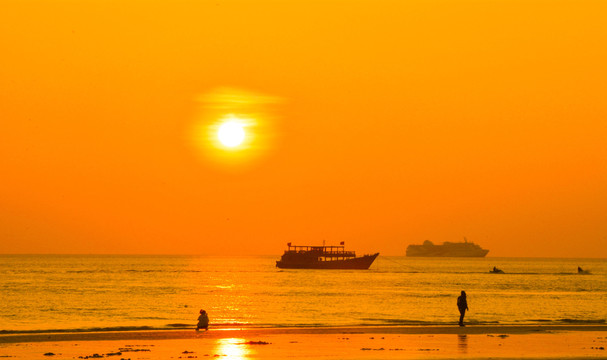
point(397, 342)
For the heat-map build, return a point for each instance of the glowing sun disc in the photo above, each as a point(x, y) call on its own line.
point(231, 133)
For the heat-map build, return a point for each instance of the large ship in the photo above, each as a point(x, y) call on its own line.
point(447, 249)
point(323, 257)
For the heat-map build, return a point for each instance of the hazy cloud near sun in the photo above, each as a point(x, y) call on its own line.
point(235, 100)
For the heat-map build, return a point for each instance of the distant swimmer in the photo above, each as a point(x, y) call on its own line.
point(203, 321)
point(462, 305)
point(582, 271)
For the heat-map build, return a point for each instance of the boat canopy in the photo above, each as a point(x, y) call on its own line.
point(327, 251)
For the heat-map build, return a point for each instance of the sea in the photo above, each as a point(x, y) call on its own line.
point(40, 293)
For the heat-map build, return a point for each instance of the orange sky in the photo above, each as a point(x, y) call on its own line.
point(378, 123)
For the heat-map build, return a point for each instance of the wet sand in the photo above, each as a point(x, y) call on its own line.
point(395, 342)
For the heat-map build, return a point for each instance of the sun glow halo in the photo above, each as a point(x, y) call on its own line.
point(231, 133)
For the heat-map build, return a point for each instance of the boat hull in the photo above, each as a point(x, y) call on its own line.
point(358, 263)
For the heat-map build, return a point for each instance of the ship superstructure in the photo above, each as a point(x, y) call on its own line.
point(447, 249)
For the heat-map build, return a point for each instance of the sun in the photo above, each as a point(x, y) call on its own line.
point(231, 133)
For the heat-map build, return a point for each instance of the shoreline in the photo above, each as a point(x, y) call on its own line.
point(247, 332)
point(539, 342)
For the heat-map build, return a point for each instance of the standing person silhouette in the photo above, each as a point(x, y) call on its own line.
point(462, 305)
point(203, 321)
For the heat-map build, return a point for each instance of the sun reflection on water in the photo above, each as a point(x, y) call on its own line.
point(233, 348)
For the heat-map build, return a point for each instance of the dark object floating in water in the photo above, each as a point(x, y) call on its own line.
point(496, 271)
point(447, 249)
point(582, 271)
point(323, 257)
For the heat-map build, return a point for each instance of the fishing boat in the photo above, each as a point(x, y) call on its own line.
point(323, 257)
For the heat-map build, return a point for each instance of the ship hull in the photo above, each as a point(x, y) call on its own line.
point(413, 252)
point(358, 263)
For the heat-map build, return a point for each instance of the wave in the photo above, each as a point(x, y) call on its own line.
point(400, 322)
point(119, 271)
point(578, 321)
point(506, 272)
point(78, 330)
point(182, 270)
point(106, 271)
point(172, 326)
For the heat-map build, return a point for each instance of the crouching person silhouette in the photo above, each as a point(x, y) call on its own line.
point(203, 321)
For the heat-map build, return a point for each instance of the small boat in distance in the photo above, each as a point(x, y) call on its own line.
point(323, 257)
point(447, 249)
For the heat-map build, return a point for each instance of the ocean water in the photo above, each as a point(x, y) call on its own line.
point(75, 292)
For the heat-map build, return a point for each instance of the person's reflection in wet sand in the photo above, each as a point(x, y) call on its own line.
point(462, 343)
